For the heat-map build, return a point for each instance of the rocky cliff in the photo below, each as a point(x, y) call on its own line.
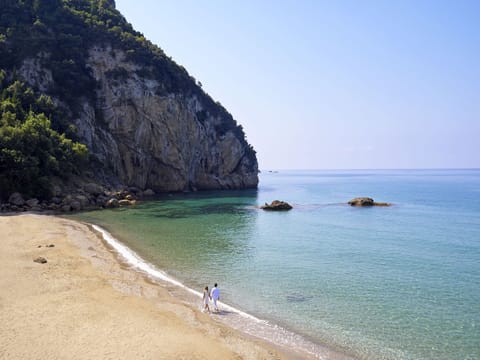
point(165, 142)
point(145, 121)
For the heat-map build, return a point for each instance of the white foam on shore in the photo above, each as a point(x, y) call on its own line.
point(137, 262)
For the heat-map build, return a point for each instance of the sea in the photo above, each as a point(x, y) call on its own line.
point(397, 282)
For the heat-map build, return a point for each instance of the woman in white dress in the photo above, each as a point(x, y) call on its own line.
point(206, 298)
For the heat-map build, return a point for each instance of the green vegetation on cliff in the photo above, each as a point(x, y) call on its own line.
point(30, 150)
point(64, 31)
point(37, 136)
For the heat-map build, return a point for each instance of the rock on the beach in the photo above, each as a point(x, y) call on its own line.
point(277, 205)
point(82, 199)
point(75, 205)
point(40, 260)
point(366, 201)
point(16, 199)
point(66, 208)
point(56, 191)
point(93, 189)
point(32, 202)
point(56, 200)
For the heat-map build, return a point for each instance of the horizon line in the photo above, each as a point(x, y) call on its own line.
point(366, 169)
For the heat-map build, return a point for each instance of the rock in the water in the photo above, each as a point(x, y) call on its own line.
point(112, 203)
point(40, 260)
point(124, 202)
point(361, 201)
point(277, 205)
point(366, 201)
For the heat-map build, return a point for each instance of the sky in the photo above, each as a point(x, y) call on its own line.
point(333, 84)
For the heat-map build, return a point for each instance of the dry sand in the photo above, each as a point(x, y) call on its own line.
point(84, 304)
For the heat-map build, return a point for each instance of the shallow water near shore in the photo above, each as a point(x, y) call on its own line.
point(399, 282)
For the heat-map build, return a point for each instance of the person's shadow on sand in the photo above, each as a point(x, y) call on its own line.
point(222, 312)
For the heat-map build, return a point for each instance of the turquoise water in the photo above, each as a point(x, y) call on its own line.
point(401, 282)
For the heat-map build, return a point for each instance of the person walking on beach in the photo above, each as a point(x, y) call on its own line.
point(215, 296)
point(206, 298)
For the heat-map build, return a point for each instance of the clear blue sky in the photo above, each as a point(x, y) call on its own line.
point(333, 84)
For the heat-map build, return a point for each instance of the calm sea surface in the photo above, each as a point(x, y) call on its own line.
point(401, 282)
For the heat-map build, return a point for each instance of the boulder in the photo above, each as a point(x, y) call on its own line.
point(112, 203)
point(121, 194)
point(32, 203)
point(93, 189)
point(101, 200)
point(361, 201)
point(40, 260)
point(366, 201)
point(66, 208)
point(56, 200)
point(16, 199)
point(124, 202)
point(76, 205)
point(52, 206)
point(57, 191)
point(83, 200)
point(148, 192)
point(277, 205)
point(67, 199)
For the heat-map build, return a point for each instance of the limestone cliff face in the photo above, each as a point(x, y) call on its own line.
point(148, 138)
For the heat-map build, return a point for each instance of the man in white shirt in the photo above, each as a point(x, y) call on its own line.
point(215, 295)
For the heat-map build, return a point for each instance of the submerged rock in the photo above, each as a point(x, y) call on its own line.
point(277, 205)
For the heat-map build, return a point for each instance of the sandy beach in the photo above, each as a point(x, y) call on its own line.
point(83, 303)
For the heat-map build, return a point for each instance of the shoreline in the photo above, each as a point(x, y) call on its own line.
point(247, 324)
point(86, 295)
